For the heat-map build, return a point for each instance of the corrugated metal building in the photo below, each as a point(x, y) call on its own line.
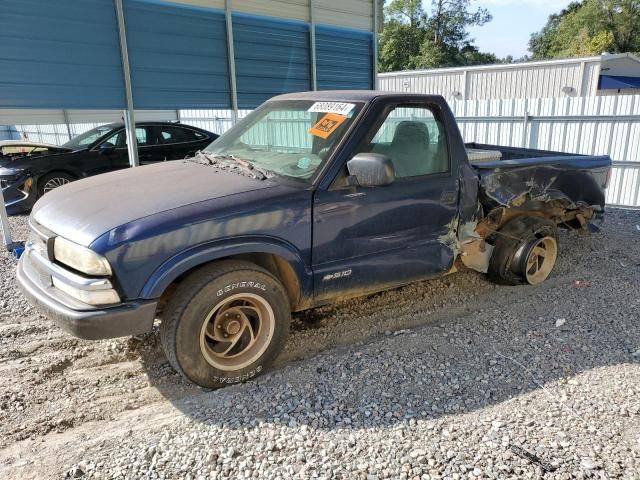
point(576, 77)
point(182, 54)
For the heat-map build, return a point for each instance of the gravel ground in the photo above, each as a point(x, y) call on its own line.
point(453, 378)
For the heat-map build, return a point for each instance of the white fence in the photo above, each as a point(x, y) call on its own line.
point(587, 125)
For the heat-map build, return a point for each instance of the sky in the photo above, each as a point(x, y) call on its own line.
point(513, 23)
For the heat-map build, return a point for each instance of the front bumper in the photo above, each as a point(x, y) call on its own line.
point(82, 320)
point(17, 197)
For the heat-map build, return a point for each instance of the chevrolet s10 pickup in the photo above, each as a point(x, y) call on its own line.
point(312, 198)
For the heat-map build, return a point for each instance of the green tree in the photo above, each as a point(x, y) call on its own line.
point(589, 27)
point(544, 43)
point(403, 34)
point(472, 56)
point(621, 19)
point(414, 38)
point(451, 19)
point(409, 11)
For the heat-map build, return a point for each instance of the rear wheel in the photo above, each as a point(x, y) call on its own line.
point(225, 323)
point(525, 251)
point(53, 180)
point(540, 260)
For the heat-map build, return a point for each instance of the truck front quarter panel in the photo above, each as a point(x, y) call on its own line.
point(209, 252)
point(146, 255)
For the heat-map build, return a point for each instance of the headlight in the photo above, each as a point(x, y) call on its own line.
point(80, 258)
point(8, 180)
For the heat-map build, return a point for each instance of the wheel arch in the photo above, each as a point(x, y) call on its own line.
point(66, 171)
point(281, 260)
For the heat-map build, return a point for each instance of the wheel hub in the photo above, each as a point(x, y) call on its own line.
point(54, 183)
point(540, 260)
point(232, 326)
point(237, 331)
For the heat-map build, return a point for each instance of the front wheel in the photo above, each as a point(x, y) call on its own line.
point(52, 181)
point(225, 323)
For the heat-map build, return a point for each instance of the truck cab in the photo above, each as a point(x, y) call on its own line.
point(312, 198)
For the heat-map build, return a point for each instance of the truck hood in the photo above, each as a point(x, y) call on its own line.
point(82, 211)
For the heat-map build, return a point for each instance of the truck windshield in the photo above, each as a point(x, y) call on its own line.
point(289, 138)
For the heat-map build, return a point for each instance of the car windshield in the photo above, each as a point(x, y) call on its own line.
point(87, 138)
point(289, 138)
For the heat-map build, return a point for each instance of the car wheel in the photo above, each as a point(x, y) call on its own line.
point(525, 251)
point(52, 181)
point(225, 323)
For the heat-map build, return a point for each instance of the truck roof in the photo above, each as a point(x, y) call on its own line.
point(350, 95)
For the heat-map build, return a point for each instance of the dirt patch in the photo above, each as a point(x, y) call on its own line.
point(457, 352)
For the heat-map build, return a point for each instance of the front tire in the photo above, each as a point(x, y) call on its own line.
point(53, 180)
point(225, 323)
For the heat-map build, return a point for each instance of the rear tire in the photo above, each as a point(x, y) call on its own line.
point(525, 252)
point(225, 323)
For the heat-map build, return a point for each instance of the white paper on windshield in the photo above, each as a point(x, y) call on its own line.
point(332, 107)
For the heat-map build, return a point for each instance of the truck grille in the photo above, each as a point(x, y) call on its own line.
point(39, 239)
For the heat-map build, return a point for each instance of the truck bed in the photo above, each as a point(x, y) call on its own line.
point(527, 176)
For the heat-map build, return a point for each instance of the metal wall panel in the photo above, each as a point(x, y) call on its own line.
point(527, 80)
point(344, 58)
point(437, 84)
point(57, 55)
point(625, 186)
point(586, 125)
point(49, 117)
point(217, 121)
point(591, 79)
point(178, 56)
point(32, 116)
point(70, 57)
point(289, 9)
point(219, 4)
point(357, 14)
point(9, 132)
point(530, 82)
point(56, 131)
point(272, 57)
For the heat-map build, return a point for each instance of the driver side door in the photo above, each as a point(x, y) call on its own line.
point(103, 157)
point(113, 154)
point(367, 239)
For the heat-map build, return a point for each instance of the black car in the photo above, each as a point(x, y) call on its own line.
point(25, 178)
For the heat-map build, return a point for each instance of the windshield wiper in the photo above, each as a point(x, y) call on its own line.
point(246, 166)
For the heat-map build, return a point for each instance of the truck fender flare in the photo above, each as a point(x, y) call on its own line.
point(206, 253)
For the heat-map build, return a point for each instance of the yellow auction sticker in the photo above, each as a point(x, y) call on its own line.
point(327, 125)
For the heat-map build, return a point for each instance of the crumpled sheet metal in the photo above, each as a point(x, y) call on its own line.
point(576, 182)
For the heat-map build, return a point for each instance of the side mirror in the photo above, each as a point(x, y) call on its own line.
point(372, 169)
point(106, 149)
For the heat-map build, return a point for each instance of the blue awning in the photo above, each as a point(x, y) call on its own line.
point(610, 82)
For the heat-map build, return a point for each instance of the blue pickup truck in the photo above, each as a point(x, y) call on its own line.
point(312, 198)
